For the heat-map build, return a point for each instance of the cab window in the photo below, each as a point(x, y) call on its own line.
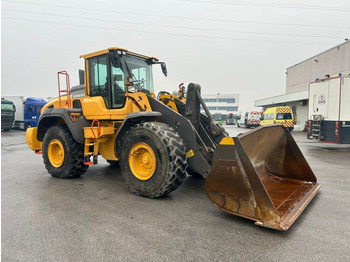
point(98, 77)
point(117, 87)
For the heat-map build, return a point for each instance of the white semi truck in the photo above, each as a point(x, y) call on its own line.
point(329, 109)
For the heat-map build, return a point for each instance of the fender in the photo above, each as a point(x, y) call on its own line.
point(131, 119)
point(51, 116)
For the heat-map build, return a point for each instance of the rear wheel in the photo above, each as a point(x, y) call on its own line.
point(152, 159)
point(63, 156)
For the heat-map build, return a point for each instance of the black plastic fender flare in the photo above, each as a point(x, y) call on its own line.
point(130, 120)
point(51, 116)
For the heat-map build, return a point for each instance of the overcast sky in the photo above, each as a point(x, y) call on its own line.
point(226, 46)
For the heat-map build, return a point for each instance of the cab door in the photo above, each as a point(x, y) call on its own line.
point(96, 104)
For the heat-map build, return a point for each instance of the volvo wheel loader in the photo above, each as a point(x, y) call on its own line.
point(156, 140)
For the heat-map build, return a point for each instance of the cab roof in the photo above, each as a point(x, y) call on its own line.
point(105, 51)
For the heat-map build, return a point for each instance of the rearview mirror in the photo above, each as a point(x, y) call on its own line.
point(163, 66)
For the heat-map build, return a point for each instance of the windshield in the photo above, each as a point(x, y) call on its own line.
point(136, 67)
point(7, 107)
point(108, 76)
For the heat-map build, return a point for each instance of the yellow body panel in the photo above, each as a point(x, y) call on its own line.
point(95, 108)
point(106, 149)
point(56, 104)
point(95, 133)
point(31, 140)
point(170, 101)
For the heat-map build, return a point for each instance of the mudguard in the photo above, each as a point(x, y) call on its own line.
point(51, 116)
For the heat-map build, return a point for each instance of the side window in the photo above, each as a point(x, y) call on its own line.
point(268, 116)
point(118, 87)
point(98, 77)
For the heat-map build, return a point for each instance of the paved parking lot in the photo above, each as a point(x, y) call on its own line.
point(95, 218)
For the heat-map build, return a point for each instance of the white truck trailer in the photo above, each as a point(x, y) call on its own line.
point(329, 109)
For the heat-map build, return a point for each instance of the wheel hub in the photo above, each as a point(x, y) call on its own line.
point(56, 153)
point(142, 161)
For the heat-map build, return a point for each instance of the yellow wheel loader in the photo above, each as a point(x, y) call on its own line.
point(156, 140)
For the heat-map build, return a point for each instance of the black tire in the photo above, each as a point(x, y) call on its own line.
point(73, 164)
point(113, 163)
point(238, 125)
point(170, 156)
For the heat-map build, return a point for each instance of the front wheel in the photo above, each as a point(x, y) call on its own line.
point(63, 156)
point(152, 159)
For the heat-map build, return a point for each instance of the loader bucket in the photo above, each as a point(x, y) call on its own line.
point(261, 175)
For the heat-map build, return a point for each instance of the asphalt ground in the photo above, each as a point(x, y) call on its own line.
point(96, 218)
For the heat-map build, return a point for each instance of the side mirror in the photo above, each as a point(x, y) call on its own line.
point(261, 118)
point(163, 66)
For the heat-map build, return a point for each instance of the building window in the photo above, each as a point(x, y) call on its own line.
point(231, 100)
point(232, 108)
point(222, 100)
point(210, 100)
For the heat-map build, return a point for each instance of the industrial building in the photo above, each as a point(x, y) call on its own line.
point(331, 62)
point(222, 104)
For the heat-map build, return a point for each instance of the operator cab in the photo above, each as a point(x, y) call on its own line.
point(113, 72)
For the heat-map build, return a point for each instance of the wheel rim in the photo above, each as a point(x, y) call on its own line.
point(142, 161)
point(56, 153)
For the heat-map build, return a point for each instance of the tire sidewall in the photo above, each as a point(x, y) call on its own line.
point(59, 134)
point(152, 185)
